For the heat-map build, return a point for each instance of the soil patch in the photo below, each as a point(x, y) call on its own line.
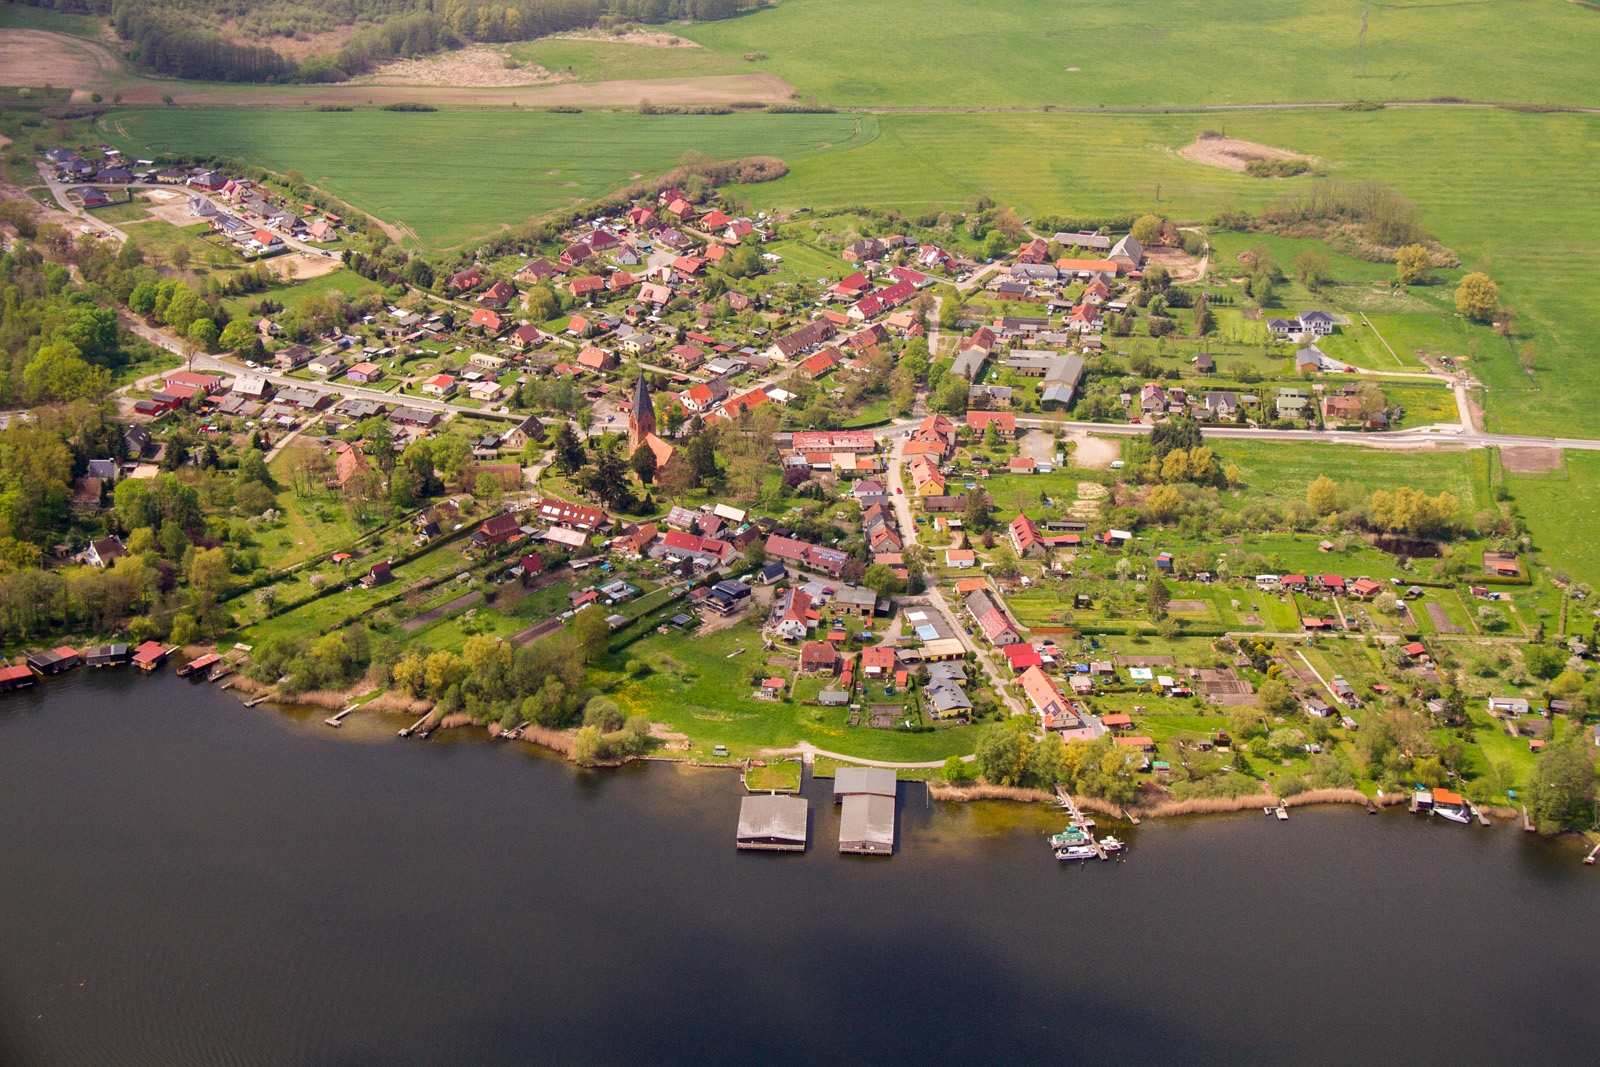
point(301, 266)
point(37, 58)
point(1188, 605)
point(524, 638)
point(1094, 453)
point(435, 614)
point(649, 40)
point(1181, 265)
point(1441, 621)
point(298, 47)
point(476, 66)
point(1230, 153)
point(1530, 460)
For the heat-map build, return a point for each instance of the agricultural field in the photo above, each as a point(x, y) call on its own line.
point(1098, 54)
point(467, 173)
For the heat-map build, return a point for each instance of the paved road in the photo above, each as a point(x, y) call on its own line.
point(58, 190)
point(908, 526)
point(1449, 435)
point(806, 748)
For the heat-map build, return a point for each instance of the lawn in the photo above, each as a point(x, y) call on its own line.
point(701, 691)
point(157, 238)
point(1100, 53)
point(1423, 404)
point(348, 282)
point(128, 211)
point(458, 167)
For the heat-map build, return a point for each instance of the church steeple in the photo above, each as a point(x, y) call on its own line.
point(641, 415)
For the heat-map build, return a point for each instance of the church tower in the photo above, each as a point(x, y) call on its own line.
point(641, 415)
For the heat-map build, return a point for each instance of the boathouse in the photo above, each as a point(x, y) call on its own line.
point(54, 661)
point(15, 678)
point(866, 824)
point(774, 823)
point(150, 655)
point(863, 781)
point(108, 656)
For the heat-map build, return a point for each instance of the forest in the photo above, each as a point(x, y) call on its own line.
point(226, 40)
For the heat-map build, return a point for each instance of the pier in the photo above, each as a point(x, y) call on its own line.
point(1083, 822)
point(336, 720)
point(415, 727)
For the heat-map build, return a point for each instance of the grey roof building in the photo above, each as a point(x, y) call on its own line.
point(773, 822)
point(851, 781)
point(866, 825)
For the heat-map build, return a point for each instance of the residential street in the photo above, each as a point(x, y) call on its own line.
point(933, 596)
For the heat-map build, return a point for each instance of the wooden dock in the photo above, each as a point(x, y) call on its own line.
point(1589, 859)
point(1527, 823)
point(1479, 814)
point(335, 721)
point(257, 700)
point(415, 727)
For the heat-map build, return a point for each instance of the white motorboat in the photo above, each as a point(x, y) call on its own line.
point(1111, 844)
point(1076, 852)
point(1454, 815)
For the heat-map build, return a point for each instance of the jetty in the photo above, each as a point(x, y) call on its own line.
point(258, 700)
point(415, 727)
point(1589, 859)
point(1077, 832)
point(335, 720)
point(774, 823)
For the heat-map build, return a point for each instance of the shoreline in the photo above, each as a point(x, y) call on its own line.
point(561, 743)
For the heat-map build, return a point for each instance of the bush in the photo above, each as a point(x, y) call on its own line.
point(1292, 785)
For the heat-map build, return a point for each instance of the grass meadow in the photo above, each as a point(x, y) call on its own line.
point(1278, 473)
point(448, 177)
point(1012, 53)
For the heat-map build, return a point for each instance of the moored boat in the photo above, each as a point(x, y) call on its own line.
point(1076, 852)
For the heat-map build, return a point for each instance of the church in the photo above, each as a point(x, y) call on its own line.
point(642, 427)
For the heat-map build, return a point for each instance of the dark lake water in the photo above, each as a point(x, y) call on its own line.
point(185, 881)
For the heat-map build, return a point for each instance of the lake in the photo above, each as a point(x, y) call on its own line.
point(187, 881)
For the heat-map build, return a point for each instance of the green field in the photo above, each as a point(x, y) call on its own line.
point(1527, 211)
point(1281, 472)
point(1563, 513)
point(448, 177)
point(706, 693)
point(1105, 54)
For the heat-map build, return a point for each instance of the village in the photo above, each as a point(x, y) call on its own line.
point(826, 499)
